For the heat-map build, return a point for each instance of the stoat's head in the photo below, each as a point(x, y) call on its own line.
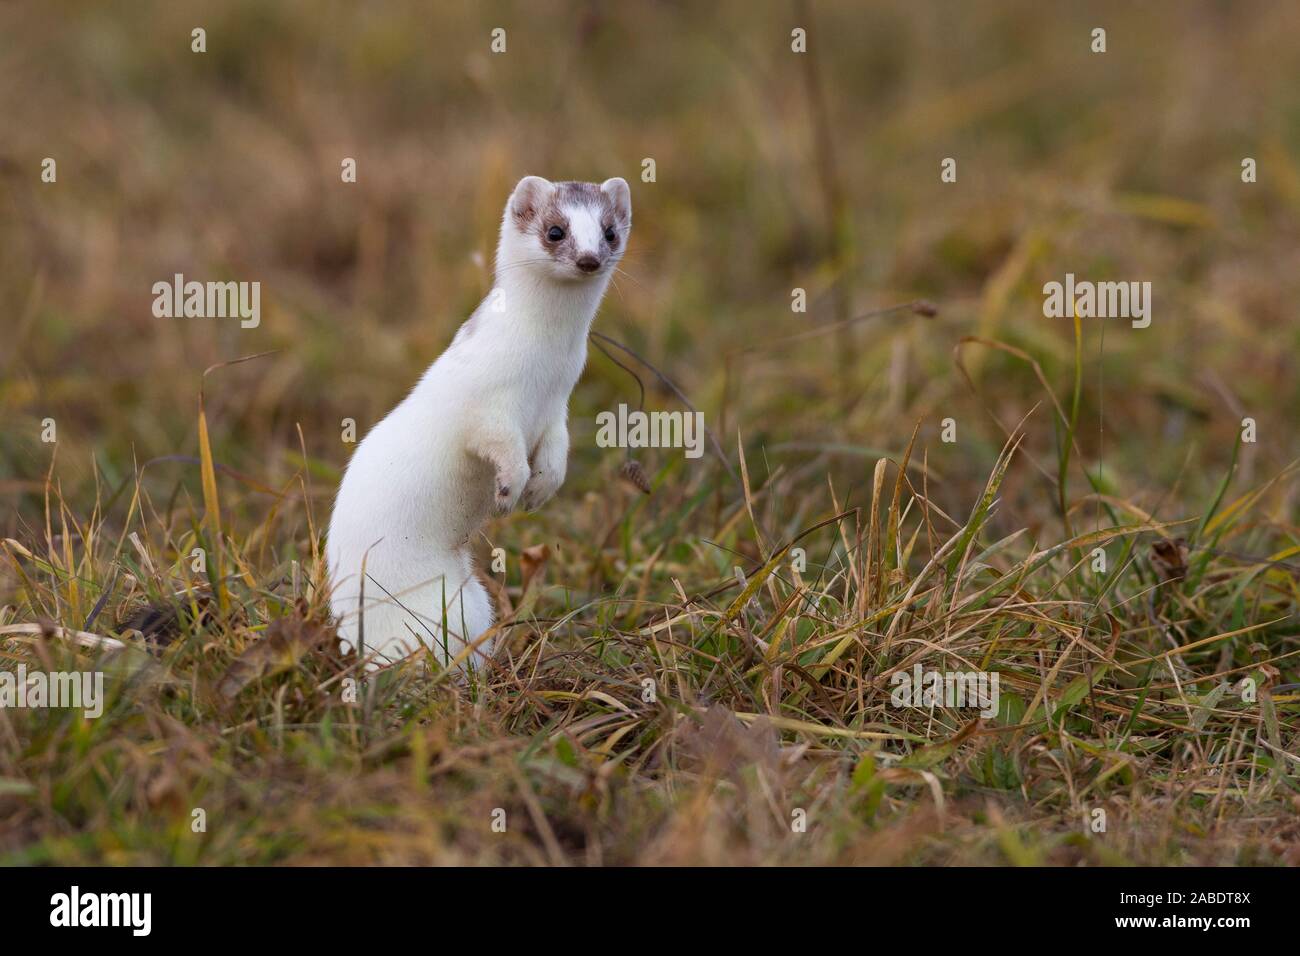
point(569, 232)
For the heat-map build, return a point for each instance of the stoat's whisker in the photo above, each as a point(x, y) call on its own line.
point(628, 275)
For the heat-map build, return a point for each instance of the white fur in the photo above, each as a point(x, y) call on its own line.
point(488, 415)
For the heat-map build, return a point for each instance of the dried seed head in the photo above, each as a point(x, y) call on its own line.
point(632, 472)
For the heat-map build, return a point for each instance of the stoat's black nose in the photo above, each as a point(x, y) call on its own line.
point(588, 263)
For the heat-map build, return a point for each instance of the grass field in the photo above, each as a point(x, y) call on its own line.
point(677, 683)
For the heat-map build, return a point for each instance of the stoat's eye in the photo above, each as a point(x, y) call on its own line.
point(610, 235)
point(555, 234)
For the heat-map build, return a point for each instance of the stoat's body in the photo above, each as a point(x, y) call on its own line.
point(483, 430)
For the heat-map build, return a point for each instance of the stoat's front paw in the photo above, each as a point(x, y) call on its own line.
point(509, 489)
point(542, 485)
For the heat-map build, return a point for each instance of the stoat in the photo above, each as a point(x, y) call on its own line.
point(483, 430)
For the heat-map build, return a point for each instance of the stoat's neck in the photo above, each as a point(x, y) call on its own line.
point(552, 306)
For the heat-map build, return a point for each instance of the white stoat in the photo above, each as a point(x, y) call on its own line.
point(483, 430)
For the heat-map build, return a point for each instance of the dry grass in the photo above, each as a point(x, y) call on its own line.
point(773, 696)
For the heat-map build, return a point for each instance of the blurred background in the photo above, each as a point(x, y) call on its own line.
point(773, 171)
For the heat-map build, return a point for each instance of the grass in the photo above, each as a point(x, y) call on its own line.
point(678, 683)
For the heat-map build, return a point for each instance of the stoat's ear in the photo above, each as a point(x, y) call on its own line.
point(529, 197)
point(620, 195)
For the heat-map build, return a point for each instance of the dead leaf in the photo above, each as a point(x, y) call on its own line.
point(288, 640)
point(533, 562)
point(160, 624)
point(1169, 558)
